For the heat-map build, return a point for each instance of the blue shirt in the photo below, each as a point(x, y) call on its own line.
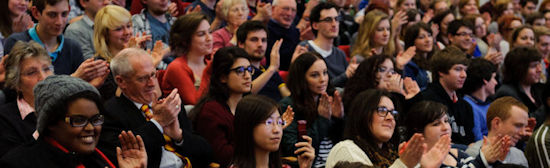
point(480, 116)
point(53, 55)
point(159, 31)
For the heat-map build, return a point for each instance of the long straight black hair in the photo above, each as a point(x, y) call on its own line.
point(251, 111)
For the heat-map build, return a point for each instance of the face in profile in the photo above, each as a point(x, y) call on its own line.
point(455, 78)
point(317, 77)
point(382, 33)
point(383, 122)
point(268, 134)
point(71, 135)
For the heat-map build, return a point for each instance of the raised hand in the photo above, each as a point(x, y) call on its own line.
point(158, 52)
point(496, 148)
point(274, 56)
point(433, 158)
point(288, 116)
point(411, 152)
point(403, 58)
point(167, 109)
point(529, 128)
point(337, 105)
point(22, 23)
point(305, 160)
point(132, 154)
point(395, 84)
point(306, 33)
point(494, 57)
point(139, 41)
point(325, 109)
point(173, 9)
point(411, 88)
point(196, 9)
point(428, 16)
point(264, 10)
point(299, 51)
point(350, 70)
point(91, 69)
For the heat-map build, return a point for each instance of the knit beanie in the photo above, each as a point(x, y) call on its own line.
point(54, 90)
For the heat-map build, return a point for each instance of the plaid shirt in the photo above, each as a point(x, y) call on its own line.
point(141, 24)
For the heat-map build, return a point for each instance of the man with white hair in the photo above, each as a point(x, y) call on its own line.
point(163, 123)
point(281, 26)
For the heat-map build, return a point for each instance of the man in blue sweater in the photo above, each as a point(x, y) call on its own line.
point(65, 53)
point(325, 22)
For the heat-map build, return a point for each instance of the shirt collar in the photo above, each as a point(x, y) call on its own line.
point(24, 108)
point(34, 37)
point(88, 20)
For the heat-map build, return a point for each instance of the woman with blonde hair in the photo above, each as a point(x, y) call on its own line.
point(374, 36)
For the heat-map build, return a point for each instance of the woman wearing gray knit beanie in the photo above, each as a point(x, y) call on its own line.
point(69, 123)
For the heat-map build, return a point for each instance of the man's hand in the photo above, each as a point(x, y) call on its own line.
point(173, 9)
point(91, 69)
point(166, 110)
point(350, 70)
point(274, 56)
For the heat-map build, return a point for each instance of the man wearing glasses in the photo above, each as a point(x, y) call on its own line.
point(163, 123)
point(461, 36)
point(325, 22)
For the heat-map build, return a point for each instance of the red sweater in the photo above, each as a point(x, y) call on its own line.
point(215, 123)
point(179, 75)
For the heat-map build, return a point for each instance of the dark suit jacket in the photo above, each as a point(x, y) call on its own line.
point(13, 130)
point(122, 114)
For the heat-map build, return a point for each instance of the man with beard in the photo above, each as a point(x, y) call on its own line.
point(252, 37)
point(325, 22)
point(153, 20)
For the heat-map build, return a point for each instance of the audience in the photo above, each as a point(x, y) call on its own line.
point(478, 88)
point(190, 42)
point(82, 31)
point(374, 36)
point(27, 65)
point(309, 84)
point(281, 27)
point(505, 116)
point(258, 131)
point(69, 125)
point(214, 114)
point(14, 19)
point(163, 123)
point(451, 52)
point(252, 37)
point(324, 20)
point(449, 74)
point(431, 120)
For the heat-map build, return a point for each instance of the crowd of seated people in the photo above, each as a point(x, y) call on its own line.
point(274, 83)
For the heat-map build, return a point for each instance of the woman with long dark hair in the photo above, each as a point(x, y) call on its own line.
point(419, 35)
point(258, 132)
point(214, 114)
point(309, 84)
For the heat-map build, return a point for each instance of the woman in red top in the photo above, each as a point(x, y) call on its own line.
point(191, 41)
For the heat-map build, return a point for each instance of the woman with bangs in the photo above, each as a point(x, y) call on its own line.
point(258, 130)
point(374, 36)
point(235, 13)
point(112, 33)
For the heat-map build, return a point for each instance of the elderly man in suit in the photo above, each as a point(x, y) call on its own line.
point(163, 123)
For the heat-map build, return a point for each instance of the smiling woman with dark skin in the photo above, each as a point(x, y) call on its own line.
point(69, 124)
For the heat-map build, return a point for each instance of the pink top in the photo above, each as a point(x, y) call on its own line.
point(222, 38)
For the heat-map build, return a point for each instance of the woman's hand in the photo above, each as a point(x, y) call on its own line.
point(395, 84)
point(132, 154)
point(411, 88)
point(138, 41)
point(337, 106)
point(433, 158)
point(22, 23)
point(403, 58)
point(288, 116)
point(158, 52)
point(411, 152)
point(325, 108)
point(305, 160)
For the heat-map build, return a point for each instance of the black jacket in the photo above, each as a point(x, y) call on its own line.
point(14, 131)
point(122, 114)
point(461, 116)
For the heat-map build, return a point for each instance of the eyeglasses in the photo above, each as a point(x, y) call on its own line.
point(386, 70)
point(241, 69)
point(464, 34)
point(384, 111)
point(81, 121)
point(34, 72)
point(330, 19)
point(270, 122)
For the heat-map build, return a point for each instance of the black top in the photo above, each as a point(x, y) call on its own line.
point(15, 131)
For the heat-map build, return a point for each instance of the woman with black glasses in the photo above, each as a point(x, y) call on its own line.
point(213, 115)
point(69, 123)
